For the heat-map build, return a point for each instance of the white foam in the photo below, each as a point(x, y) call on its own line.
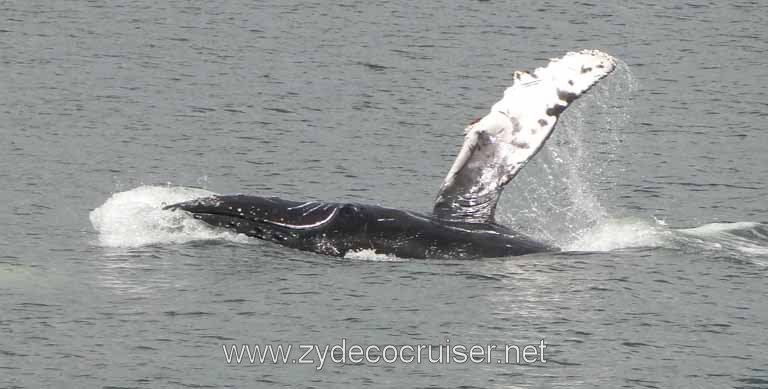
point(744, 239)
point(371, 255)
point(616, 234)
point(135, 218)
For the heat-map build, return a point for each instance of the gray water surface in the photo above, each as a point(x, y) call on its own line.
point(366, 103)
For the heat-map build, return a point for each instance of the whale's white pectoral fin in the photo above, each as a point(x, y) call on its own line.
point(497, 146)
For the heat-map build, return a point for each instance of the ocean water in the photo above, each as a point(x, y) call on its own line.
point(654, 184)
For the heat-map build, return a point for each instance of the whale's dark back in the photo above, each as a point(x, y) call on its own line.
point(337, 228)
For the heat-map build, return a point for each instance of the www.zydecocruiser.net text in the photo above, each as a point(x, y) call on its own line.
point(345, 352)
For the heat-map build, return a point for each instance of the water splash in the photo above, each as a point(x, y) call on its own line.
point(136, 218)
point(371, 255)
point(742, 240)
point(557, 196)
point(625, 233)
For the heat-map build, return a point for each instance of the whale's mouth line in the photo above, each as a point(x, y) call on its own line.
point(241, 225)
point(222, 216)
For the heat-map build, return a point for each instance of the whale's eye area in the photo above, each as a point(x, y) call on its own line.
point(349, 210)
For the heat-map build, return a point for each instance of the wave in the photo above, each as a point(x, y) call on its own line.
point(749, 238)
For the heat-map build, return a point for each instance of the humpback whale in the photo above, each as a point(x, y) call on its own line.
point(462, 224)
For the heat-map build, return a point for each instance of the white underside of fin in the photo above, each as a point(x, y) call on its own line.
point(497, 146)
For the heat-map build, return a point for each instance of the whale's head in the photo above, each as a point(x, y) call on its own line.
point(267, 218)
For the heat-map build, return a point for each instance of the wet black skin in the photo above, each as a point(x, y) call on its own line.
point(335, 228)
